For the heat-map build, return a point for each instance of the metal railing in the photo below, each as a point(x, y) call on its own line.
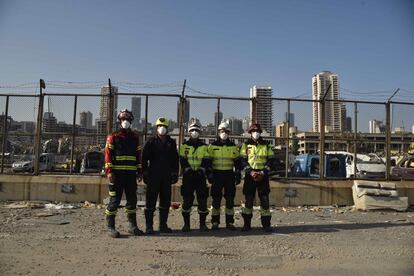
point(77, 140)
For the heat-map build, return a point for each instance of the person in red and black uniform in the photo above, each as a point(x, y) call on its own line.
point(123, 168)
point(160, 170)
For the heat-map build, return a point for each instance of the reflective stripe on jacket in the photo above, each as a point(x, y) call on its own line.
point(122, 152)
point(256, 155)
point(193, 154)
point(223, 156)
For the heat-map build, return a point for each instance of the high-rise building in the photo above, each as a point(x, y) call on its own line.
point(85, 119)
point(291, 118)
point(186, 118)
point(264, 112)
point(49, 122)
point(348, 126)
point(376, 126)
point(281, 130)
point(236, 125)
point(103, 111)
point(320, 84)
point(136, 111)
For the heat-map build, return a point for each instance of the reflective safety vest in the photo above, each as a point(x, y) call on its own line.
point(193, 155)
point(256, 155)
point(223, 156)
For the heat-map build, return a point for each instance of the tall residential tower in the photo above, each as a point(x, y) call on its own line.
point(320, 84)
point(264, 112)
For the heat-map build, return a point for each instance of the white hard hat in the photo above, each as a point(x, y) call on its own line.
point(224, 126)
point(194, 125)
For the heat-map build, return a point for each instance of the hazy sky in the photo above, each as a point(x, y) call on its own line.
point(220, 47)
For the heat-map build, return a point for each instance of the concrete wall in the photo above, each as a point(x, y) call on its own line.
point(65, 188)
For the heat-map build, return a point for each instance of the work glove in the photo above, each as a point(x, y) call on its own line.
point(201, 171)
point(174, 178)
point(247, 169)
point(145, 177)
point(237, 177)
point(187, 170)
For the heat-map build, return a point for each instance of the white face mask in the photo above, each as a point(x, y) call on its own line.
point(162, 130)
point(255, 135)
point(125, 124)
point(224, 136)
point(194, 134)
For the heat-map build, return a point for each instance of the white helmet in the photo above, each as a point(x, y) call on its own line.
point(224, 126)
point(194, 125)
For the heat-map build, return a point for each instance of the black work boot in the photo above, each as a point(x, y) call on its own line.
point(133, 228)
point(230, 223)
point(149, 221)
point(186, 217)
point(111, 227)
point(215, 221)
point(266, 223)
point(163, 221)
point(203, 226)
point(247, 222)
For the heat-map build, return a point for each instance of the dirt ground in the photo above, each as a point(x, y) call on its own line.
point(306, 241)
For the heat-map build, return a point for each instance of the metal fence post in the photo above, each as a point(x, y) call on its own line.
point(355, 139)
point(388, 139)
point(146, 118)
point(109, 120)
point(181, 122)
point(37, 148)
point(73, 134)
point(287, 139)
point(254, 110)
point(218, 116)
point(4, 142)
point(322, 132)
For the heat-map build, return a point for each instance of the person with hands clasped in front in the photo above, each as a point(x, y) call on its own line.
point(258, 157)
point(225, 175)
point(160, 170)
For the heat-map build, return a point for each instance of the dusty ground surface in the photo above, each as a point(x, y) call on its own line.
point(305, 241)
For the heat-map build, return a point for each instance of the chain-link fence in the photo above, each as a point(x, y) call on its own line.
point(66, 132)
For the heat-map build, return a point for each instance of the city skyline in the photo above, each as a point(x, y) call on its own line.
point(216, 47)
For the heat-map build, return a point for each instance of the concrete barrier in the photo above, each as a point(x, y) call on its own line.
point(78, 188)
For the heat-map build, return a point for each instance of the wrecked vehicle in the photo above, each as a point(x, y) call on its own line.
point(404, 169)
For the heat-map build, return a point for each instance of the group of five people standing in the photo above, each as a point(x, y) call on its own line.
point(157, 164)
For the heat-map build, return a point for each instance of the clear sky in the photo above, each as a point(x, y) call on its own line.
point(220, 47)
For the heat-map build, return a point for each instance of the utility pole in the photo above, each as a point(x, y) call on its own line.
point(5, 132)
point(37, 148)
point(183, 108)
point(109, 119)
point(322, 131)
point(388, 135)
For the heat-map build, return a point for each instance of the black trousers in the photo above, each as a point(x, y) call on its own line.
point(249, 190)
point(123, 182)
point(160, 186)
point(223, 180)
point(194, 182)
